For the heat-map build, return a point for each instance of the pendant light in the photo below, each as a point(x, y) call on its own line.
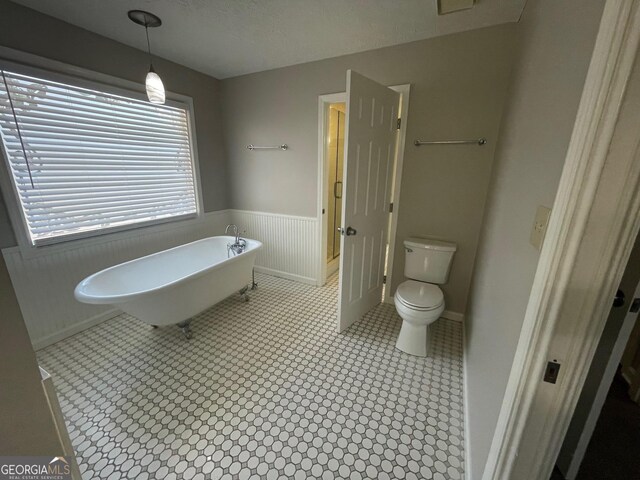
point(153, 83)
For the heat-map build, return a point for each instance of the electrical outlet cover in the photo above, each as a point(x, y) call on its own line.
point(540, 223)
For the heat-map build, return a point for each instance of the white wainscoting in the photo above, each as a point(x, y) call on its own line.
point(44, 283)
point(290, 243)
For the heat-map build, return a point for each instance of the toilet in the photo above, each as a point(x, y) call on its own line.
point(419, 300)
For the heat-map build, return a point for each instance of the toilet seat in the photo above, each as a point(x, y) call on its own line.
point(419, 296)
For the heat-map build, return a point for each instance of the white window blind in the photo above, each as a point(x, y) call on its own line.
point(85, 161)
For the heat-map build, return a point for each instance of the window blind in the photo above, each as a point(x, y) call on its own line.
point(85, 161)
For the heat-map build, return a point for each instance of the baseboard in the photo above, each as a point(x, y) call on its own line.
point(40, 343)
point(458, 317)
point(288, 276)
point(465, 401)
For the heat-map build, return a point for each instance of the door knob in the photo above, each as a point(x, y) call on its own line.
point(348, 232)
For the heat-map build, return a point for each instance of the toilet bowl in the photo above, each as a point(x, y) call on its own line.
point(419, 301)
point(419, 304)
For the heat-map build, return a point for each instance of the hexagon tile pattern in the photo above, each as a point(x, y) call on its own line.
point(265, 389)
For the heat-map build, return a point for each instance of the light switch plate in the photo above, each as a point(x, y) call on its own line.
point(539, 229)
point(451, 6)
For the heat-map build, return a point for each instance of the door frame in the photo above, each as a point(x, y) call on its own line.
point(593, 225)
point(630, 354)
point(323, 200)
point(324, 101)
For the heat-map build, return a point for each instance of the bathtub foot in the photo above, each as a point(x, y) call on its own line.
point(254, 285)
point(186, 329)
point(243, 293)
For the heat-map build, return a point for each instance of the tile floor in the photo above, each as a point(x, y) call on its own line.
point(265, 389)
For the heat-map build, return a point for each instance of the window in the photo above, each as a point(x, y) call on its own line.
point(84, 161)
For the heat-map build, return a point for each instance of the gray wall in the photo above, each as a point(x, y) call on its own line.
point(555, 42)
point(29, 31)
point(26, 425)
point(458, 84)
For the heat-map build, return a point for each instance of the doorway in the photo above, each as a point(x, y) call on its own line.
point(615, 443)
point(328, 231)
point(334, 185)
point(603, 437)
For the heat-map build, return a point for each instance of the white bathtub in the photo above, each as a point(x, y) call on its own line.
point(170, 287)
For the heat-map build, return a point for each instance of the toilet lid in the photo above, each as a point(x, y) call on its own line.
point(419, 295)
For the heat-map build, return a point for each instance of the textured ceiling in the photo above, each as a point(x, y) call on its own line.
point(226, 38)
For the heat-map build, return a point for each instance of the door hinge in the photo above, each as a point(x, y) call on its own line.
point(391, 207)
point(384, 279)
point(399, 123)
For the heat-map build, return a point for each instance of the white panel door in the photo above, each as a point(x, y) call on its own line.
point(370, 146)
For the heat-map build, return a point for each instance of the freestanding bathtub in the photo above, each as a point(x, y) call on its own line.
point(170, 287)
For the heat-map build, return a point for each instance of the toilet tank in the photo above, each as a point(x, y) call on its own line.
point(428, 260)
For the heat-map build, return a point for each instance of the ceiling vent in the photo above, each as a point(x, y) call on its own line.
point(451, 6)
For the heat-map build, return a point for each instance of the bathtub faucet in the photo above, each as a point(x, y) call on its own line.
point(239, 244)
point(235, 231)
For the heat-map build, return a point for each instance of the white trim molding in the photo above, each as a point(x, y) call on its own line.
point(286, 275)
point(69, 331)
point(465, 400)
point(404, 91)
point(594, 222)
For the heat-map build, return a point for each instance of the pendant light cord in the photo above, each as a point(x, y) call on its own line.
point(15, 119)
point(146, 30)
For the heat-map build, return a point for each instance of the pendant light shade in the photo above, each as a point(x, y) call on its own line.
point(155, 88)
point(153, 83)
